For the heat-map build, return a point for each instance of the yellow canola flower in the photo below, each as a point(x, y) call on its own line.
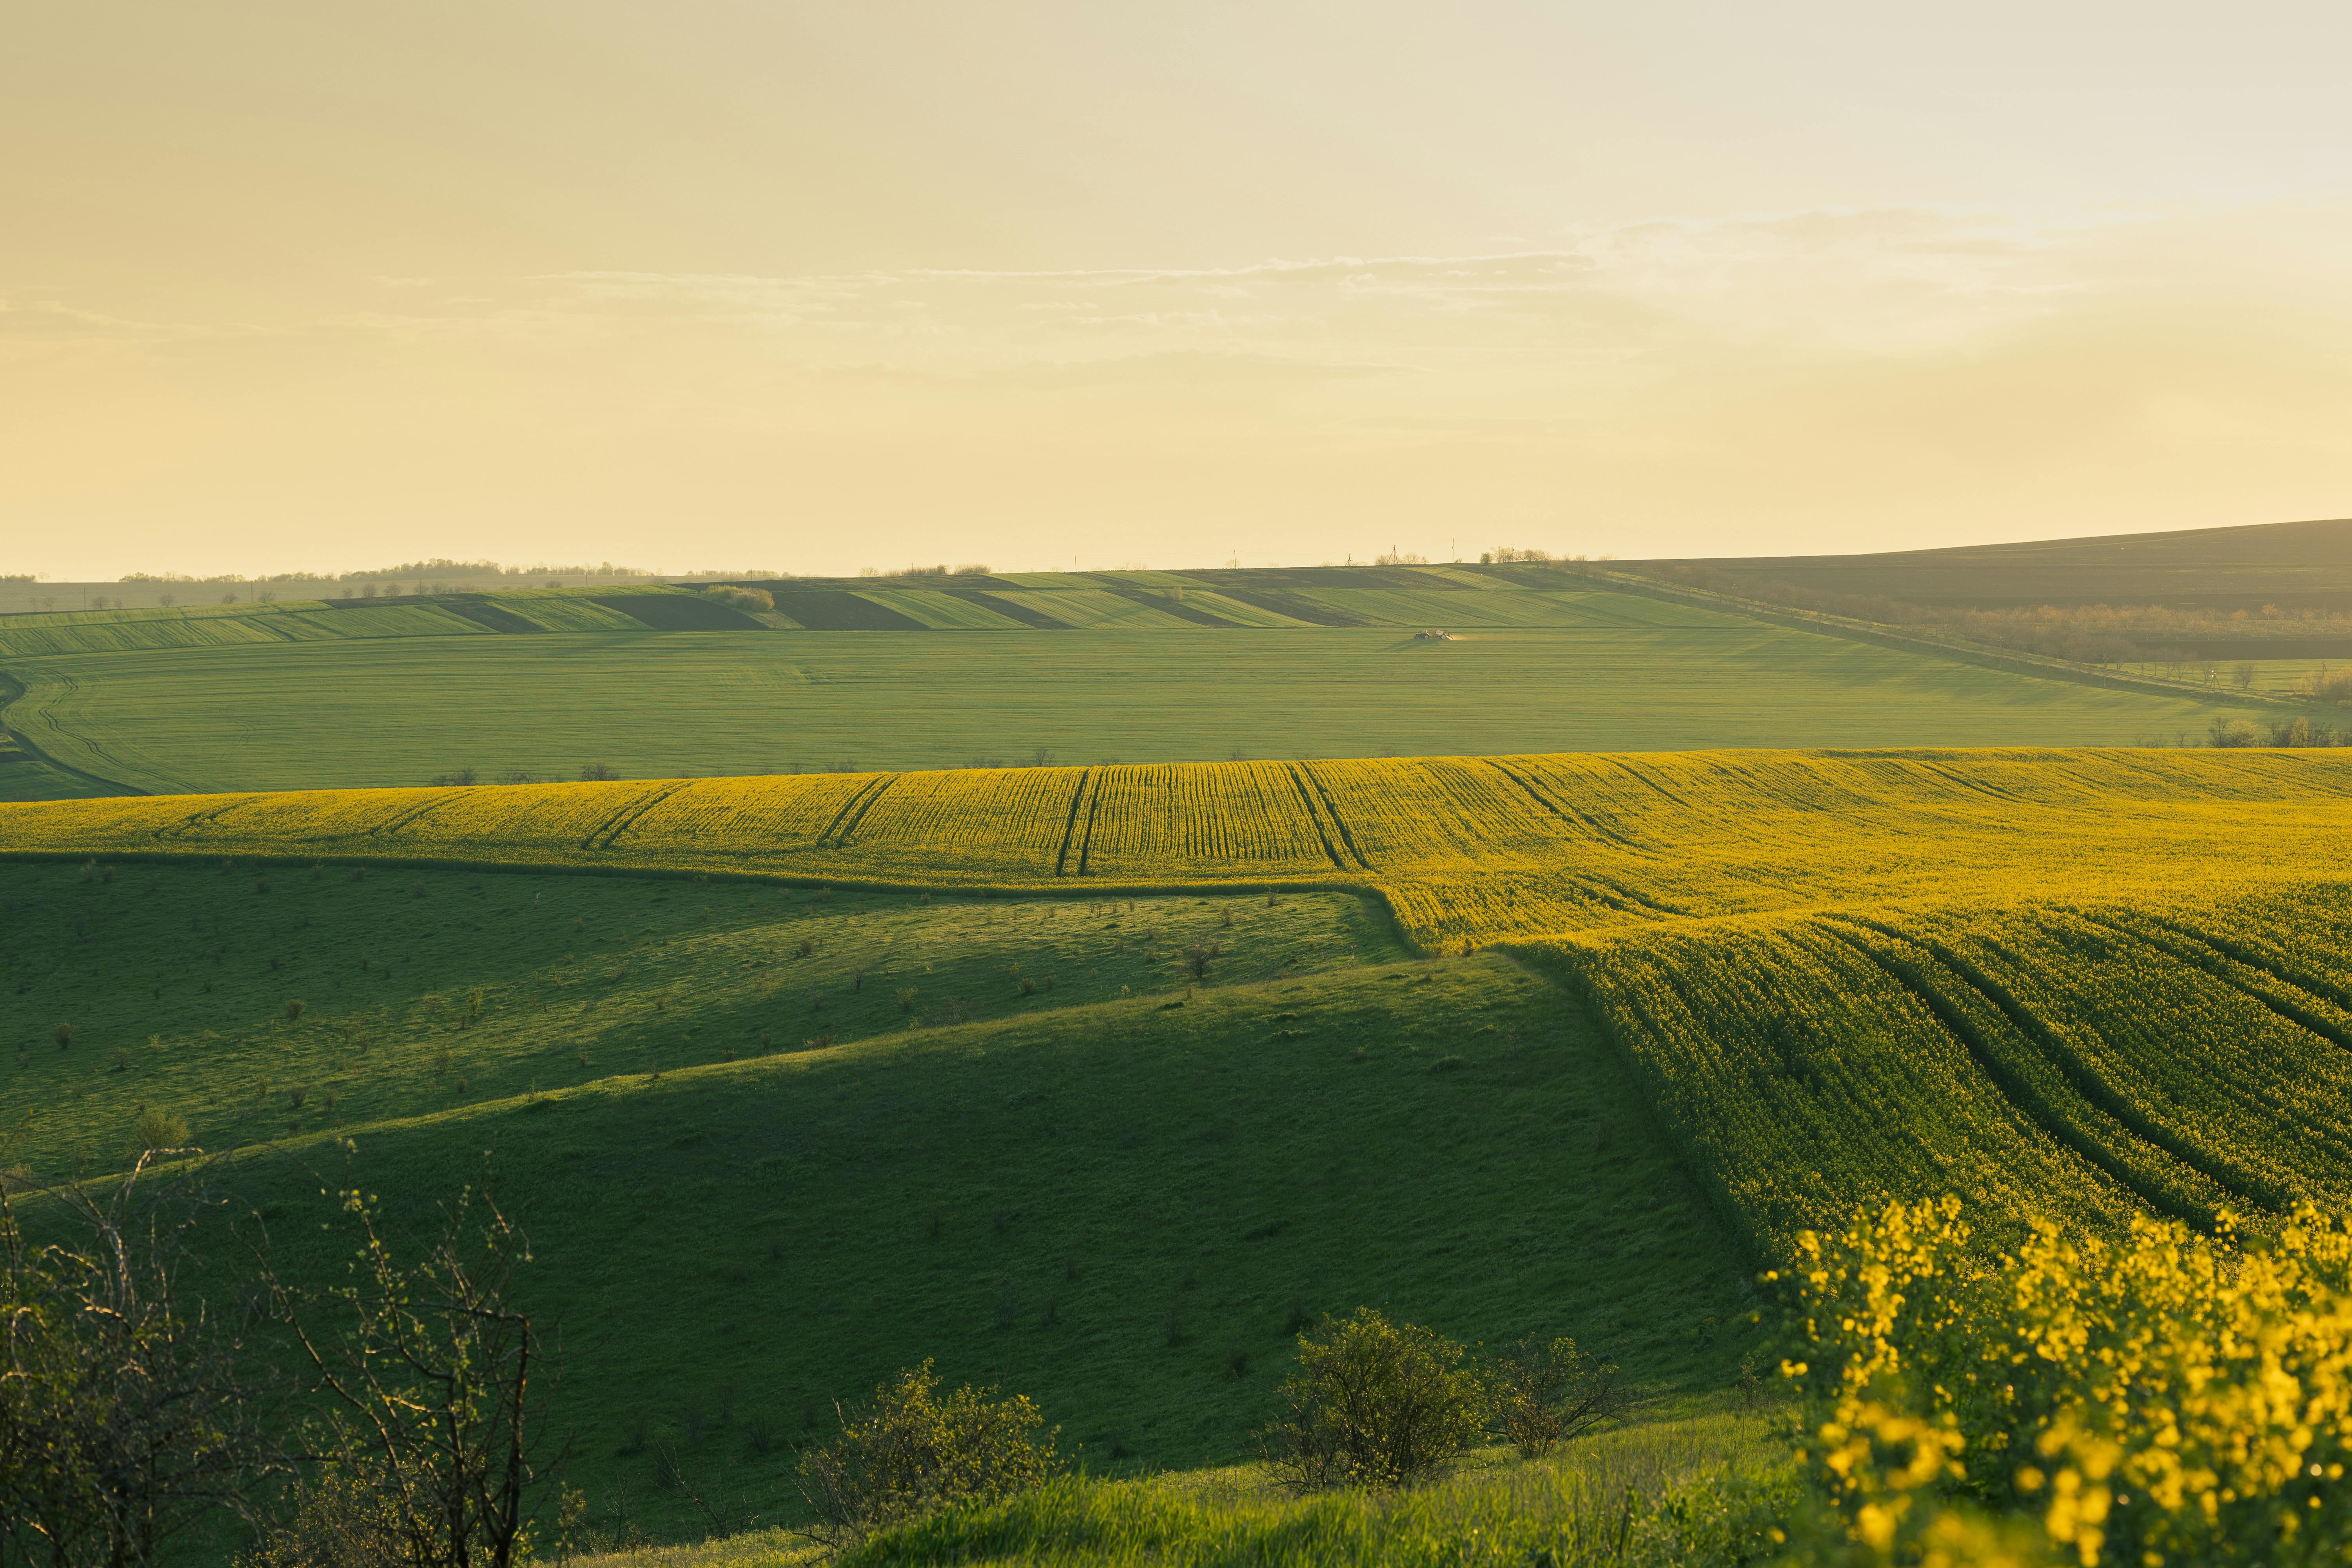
point(2169, 1398)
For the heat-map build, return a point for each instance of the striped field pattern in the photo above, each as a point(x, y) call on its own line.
point(2074, 982)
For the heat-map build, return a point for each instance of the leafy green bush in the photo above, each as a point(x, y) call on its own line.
point(155, 1129)
point(1374, 1403)
point(912, 1453)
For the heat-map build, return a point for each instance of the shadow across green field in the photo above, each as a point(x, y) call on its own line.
point(259, 1000)
point(1126, 1211)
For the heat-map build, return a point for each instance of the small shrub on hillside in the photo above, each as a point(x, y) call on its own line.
point(262, 886)
point(121, 1059)
point(1374, 1403)
point(805, 947)
point(65, 1033)
point(2233, 733)
point(2329, 684)
point(294, 1007)
point(906, 999)
point(156, 1129)
point(911, 1452)
point(1545, 1393)
point(595, 772)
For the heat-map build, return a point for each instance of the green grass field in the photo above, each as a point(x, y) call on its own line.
point(659, 704)
point(424, 991)
point(1114, 1196)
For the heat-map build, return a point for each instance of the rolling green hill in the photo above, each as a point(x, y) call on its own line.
point(2300, 564)
point(2188, 603)
point(940, 670)
point(424, 990)
point(1119, 1203)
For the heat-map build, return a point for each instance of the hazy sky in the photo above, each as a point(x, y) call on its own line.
point(323, 284)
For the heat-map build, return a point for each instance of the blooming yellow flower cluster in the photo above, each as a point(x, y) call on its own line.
point(2157, 1397)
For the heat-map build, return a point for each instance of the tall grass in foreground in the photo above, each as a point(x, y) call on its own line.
point(1704, 1489)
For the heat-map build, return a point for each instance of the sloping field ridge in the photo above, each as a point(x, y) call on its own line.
point(2070, 983)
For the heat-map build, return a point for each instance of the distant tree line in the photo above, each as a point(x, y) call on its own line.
point(438, 567)
point(465, 778)
point(2296, 731)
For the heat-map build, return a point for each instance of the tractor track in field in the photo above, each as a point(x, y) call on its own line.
point(844, 835)
point(2084, 1079)
point(1087, 845)
point(1070, 823)
point(617, 822)
point(1345, 836)
point(2212, 962)
point(1307, 800)
point(2029, 1100)
point(13, 689)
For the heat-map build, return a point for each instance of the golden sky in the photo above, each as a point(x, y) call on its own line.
point(320, 284)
